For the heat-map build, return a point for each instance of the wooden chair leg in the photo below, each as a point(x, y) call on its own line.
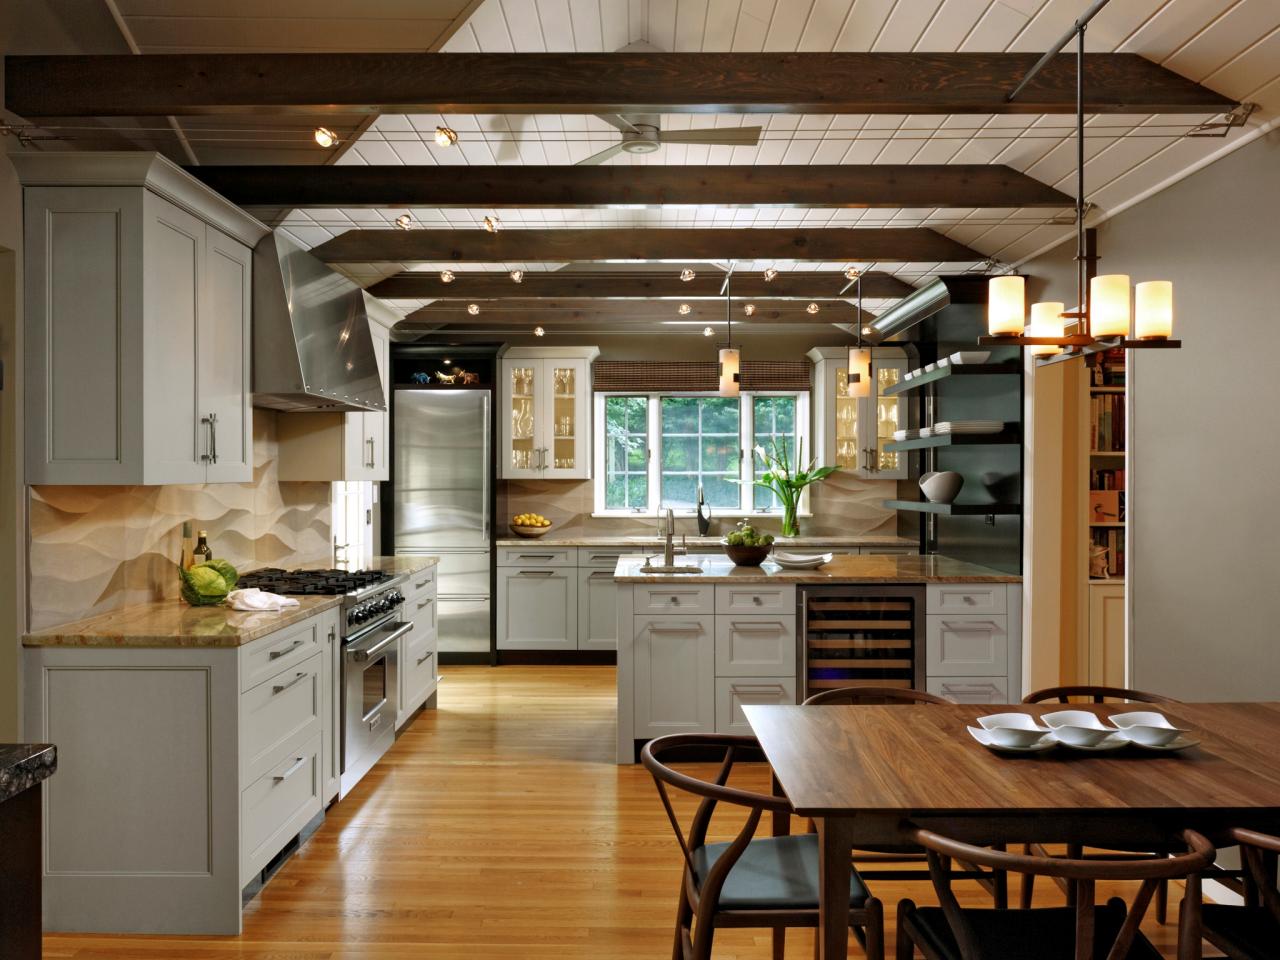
point(684, 915)
point(1000, 884)
point(1028, 883)
point(874, 928)
point(1162, 902)
point(779, 943)
point(1190, 946)
point(904, 947)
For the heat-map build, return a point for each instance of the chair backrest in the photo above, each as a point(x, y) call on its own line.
point(859, 696)
point(1082, 873)
point(730, 749)
point(1254, 847)
point(1095, 694)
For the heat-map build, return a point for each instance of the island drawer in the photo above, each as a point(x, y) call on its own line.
point(679, 597)
point(732, 694)
point(755, 598)
point(264, 658)
point(971, 689)
point(422, 610)
point(533, 556)
point(277, 805)
point(965, 598)
point(755, 646)
point(417, 584)
point(965, 645)
point(278, 715)
point(599, 558)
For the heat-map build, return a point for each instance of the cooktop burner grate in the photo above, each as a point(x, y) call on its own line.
point(313, 582)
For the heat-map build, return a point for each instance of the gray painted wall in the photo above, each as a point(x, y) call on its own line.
point(1204, 551)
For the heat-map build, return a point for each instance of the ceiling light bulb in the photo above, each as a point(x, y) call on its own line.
point(749, 309)
point(1109, 308)
point(1046, 321)
point(446, 276)
point(707, 331)
point(812, 308)
point(1006, 306)
point(473, 308)
point(686, 274)
point(850, 273)
point(492, 224)
point(404, 221)
point(770, 274)
point(517, 276)
point(539, 332)
point(866, 331)
point(1153, 310)
point(685, 310)
point(325, 137)
point(446, 136)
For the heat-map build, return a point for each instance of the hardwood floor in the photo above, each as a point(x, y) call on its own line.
point(497, 827)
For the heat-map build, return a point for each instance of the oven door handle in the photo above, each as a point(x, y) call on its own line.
point(360, 653)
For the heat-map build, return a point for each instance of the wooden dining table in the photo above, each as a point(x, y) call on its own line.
point(864, 773)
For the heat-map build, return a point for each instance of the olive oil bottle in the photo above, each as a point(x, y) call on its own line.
point(202, 553)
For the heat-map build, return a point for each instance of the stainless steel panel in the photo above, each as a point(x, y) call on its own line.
point(460, 573)
point(442, 470)
point(463, 625)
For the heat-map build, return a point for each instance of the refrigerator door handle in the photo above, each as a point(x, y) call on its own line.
point(486, 479)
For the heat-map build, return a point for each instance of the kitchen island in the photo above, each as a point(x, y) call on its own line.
point(23, 767)
point(695, 648)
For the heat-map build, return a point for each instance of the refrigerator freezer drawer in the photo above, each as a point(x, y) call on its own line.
point(464, 625)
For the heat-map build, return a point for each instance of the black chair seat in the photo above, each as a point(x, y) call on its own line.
point(1044, 933)
point(1242, 931)
point(774, 873)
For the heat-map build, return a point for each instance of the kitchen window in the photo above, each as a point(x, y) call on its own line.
point(656, 450)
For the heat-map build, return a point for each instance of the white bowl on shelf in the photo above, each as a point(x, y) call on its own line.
point(970, 356)
point(941, 486)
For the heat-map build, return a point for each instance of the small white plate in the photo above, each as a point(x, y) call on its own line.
point(1181, 743)
point(984, 738)
point(1108, 743)
point(791, 561)
point(944, 362)
point(930, 367)
point(910, 374)
point(970, 356)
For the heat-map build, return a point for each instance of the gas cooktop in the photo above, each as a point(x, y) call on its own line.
point(313, 582)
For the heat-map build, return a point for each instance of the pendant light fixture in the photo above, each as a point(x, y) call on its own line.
point(859, 376)
point(730, 359)
point(1105, 313)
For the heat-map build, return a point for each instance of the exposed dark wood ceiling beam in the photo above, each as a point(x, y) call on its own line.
point(828, 185)
point(649, 285)
point(840, 244)
point(935, 83)
point(525, 315)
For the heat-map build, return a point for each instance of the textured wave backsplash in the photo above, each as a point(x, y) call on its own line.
point(93, 549)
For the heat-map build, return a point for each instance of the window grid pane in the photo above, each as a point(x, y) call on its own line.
point(700, 446)
point(627, 453)
point(773, 422)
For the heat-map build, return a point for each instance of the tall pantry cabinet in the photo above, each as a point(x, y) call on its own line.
point(138, 290)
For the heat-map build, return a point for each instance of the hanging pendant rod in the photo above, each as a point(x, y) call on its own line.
point(1056, 49)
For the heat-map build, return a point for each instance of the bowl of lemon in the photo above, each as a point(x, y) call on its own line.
point(530, 525)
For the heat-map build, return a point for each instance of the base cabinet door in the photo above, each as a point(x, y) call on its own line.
point(971, 689)
point(967, 646)
point(734, 693)
point(277, 805)
point(675, 689)
point(597, 610)
point(537, 609)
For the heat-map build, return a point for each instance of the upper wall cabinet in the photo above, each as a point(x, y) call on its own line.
point(545, 414)
point(138, 286)
point(852, 433)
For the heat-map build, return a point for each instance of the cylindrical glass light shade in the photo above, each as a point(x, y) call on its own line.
point(1153, 310)
point(730, 364)
point(1109, 305)
point(1046, 321)
point(1006, 306)
point(859, 372)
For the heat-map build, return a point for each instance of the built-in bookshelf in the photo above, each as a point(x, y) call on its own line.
point(1106, 423)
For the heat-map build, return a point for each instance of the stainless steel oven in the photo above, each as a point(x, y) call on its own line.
point(370, 684)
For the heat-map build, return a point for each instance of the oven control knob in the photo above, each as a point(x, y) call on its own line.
point(395, 598)
point(351, 617)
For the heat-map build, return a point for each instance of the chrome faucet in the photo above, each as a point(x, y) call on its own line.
point(669, 549)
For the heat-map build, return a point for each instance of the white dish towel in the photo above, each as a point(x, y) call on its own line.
point(255, 599)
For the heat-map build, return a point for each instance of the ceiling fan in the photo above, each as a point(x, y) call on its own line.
point(642, 134)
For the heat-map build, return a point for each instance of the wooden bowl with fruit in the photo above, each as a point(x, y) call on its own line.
point(746, 546)
point(530, 525)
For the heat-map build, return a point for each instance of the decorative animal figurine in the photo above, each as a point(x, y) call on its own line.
point(446, 378)
point(469, 379)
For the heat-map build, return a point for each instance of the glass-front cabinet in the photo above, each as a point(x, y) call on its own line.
point(851, 433)
point(546, 416)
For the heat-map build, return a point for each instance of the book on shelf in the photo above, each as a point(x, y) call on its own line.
point(1109, 370)
point(1106, 479)
point(1106, 422)
point(1112, 540)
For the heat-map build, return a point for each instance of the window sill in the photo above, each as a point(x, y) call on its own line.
point(691, 515)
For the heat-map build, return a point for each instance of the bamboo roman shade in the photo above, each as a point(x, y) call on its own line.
point(695, 376)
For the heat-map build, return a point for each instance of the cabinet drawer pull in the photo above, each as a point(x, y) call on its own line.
point(282, 687)
point(971, 625)
point(426, 602)
point(770, 626)
point(601, 575)
point(535, 556)
point(422, 660)
point(277, 654)
point(422, 583)
point(298, 765)
point(669, 627)
point(536, 573)
point(758, 686)
point(756, 599)
point(605, 556)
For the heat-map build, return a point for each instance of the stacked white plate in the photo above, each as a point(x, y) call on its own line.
point(800, 561)
point(930, 367)
point(926, 432)
point(967, 426)
point(905, 434)
point(970, 356)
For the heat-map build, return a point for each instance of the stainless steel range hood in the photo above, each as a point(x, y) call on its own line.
point(311, 344)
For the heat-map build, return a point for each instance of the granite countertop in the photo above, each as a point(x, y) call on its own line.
point(172, 623)
point(23, 765)
point(843, 568)
point(656, 542)
point(396, 566)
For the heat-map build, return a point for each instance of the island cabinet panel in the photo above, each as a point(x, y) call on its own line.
point(419, 648)
point(755, 646)
point(973, 641)
point(972, 689)
point(674, 675)
point(755, 598)
point(734, 693)
point(279, 651)
point(679, 597)
point(280, 713)
point(331, 705)
point(537, 608)
point(965, 645)
point(276, 806)
point(597, 610)
point(966, 598)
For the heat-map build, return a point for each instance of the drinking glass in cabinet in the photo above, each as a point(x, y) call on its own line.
point(563, 382)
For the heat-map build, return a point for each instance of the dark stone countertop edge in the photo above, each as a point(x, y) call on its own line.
point(23, 765)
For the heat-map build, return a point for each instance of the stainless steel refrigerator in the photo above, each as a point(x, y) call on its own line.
point(442, 494)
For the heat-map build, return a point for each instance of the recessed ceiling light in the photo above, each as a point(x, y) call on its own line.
point(770, 274)
point(539, 332)
point(812, 308)
point(404, 221)
point(866, 331)
point(517, 276)
point(446, 276)
point(473, 308)
point(850, 273)
point(686, 274)
point(684, 310)
point(492, 224)
point(707, 331)
point(446, 136)
point(325, 137)
point(749, 309)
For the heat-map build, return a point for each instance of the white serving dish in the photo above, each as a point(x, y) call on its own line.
point(944, 362)
point(986, 738)
point(970, 356)
point(909, 375)
point(1146, 728)
point(941, 486)
point(800, 561)
point(1017, 730)
point(930, 367)
point(1078, 728)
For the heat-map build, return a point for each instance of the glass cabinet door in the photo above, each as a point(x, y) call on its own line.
point(846, 452)
point(564, 451)
point(888, 418)
point(522, 386)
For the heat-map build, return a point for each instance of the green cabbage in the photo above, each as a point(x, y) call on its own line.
point(202, 585)
point(227, 570)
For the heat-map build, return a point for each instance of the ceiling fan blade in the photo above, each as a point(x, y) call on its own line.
point(619, 121)
point(720, 137)
point(601, 157)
